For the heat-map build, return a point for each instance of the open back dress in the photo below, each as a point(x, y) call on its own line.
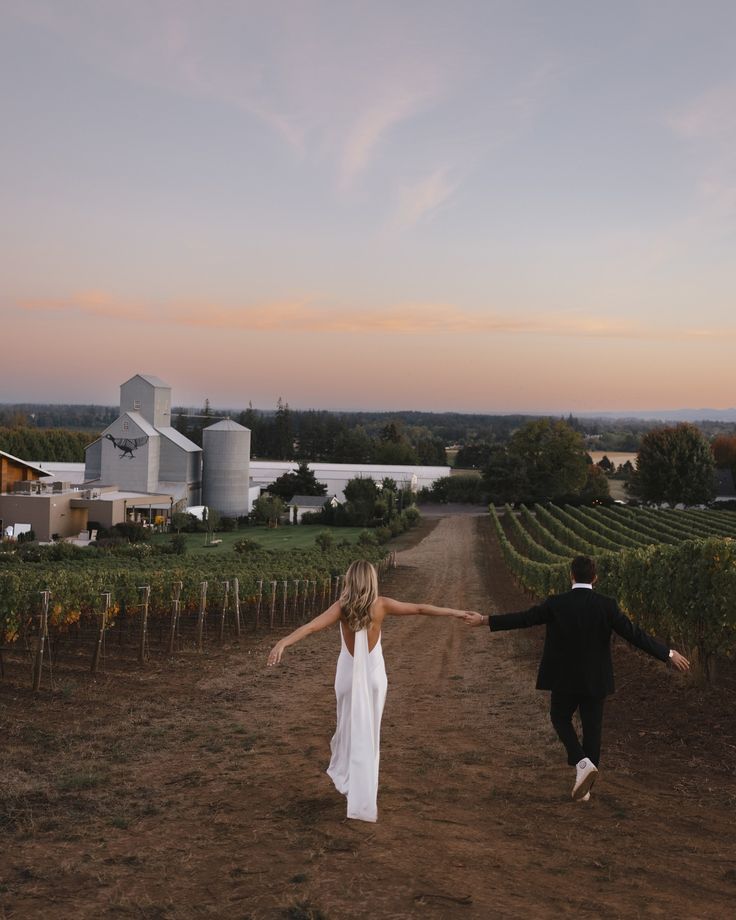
point(360, 688)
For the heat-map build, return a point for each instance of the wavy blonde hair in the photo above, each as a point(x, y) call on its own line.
point(359, 594)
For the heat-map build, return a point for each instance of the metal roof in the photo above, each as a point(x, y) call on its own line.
point(227, 424)
point(25, 463)
point(150, 378)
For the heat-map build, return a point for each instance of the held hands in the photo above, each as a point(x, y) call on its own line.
point(679, 661)
point(275, 655)
point(471, 618)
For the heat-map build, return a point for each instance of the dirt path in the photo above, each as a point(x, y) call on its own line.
point(198, 790)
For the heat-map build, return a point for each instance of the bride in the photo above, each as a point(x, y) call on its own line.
point(360, 681)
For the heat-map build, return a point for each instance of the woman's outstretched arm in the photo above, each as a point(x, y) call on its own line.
point(401, 609)
point(328, 618)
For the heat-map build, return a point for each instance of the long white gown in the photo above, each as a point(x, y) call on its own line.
point(360, 688)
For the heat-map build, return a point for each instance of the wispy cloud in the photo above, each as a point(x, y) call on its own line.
point(420, 199)
point(711, 115)
point(368, 130)
point(305, 316)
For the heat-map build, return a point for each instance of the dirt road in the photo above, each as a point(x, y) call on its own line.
point(198, 789)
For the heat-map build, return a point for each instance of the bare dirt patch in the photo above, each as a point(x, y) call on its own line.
point(197, 789)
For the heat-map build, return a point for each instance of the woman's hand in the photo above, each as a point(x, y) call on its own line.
point(472, 618)
point(276, 652)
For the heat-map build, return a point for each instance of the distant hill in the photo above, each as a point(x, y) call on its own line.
point(668, 415)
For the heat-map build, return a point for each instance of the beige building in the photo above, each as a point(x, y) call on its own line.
point(56, 510)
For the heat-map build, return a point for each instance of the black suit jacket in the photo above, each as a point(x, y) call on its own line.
point(577, 648)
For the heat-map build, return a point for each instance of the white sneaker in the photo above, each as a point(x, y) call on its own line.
point(586, 774)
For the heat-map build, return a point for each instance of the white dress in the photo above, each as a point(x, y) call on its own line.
point(360, 688)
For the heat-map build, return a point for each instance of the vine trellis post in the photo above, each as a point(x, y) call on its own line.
point(273, 603)
point(202, 614)
point(97, 655)
point(236, 603)
point(43, 634)
point(143, 647)
point(175, 613)
point(225, 605)
point(260, 601)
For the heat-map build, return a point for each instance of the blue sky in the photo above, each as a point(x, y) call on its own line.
point(466, 205)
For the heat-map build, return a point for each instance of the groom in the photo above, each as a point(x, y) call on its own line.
point(576, 662)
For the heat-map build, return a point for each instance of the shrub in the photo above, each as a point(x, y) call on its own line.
point(324, 540)
point(383, 534)
point(228, 524)
point(412, 516)
point(246, 546)
point(132, 532)
point(313, 517)
point(179, 544)
point(367, 538)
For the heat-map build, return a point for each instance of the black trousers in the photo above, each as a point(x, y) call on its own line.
point(561, 710)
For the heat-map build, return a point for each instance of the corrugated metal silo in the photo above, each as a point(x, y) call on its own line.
point(226, 467)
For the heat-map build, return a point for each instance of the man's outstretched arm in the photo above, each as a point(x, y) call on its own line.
point(622, 625)
point(534, 616)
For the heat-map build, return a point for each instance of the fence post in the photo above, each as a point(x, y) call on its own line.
point(43, 633)
point(283, 608)
point(225, 601)
point(236, 601)
point(260, 601)
point(202, 614)
point(143, 649)
point(175, 609)
point(296, 599)
point(273, 603)
point(314, 596)
point(305, 599)
point(101, 637)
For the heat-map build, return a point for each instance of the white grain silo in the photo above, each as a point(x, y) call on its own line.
point(226, 467)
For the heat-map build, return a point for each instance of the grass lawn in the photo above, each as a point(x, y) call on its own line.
point(289, 536)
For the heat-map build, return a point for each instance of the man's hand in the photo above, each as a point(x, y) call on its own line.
point(679, 661)
point(471, 618)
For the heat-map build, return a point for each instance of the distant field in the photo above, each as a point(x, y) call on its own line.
point(615, 456)
point(289, 536)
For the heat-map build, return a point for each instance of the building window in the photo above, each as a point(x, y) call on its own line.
point(136, 404)
point(125, 425)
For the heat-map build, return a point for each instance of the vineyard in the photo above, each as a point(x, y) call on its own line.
point(82, 612)
point(673, 571)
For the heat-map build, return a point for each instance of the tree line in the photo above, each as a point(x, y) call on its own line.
point(322, 436)
point(44, 445)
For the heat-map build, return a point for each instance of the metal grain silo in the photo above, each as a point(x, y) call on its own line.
point(226, 467)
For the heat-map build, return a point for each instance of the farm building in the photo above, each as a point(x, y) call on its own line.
point(142, 468)
point(302, 504)
point(13, 470)
point(337, 475)
point(141, 451)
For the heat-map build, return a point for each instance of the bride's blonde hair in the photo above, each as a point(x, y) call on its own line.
point(359, 594)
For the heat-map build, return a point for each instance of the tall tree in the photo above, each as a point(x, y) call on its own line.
point(283, 442)
point(302, 481)
point(543, 461)
point(724, 451)
point(675, 464)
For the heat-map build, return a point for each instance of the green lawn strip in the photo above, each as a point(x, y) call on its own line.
point(290, 536)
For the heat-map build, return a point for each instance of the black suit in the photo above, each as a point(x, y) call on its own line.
point(576, 662)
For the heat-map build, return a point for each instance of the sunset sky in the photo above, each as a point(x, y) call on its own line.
point(466, 204)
